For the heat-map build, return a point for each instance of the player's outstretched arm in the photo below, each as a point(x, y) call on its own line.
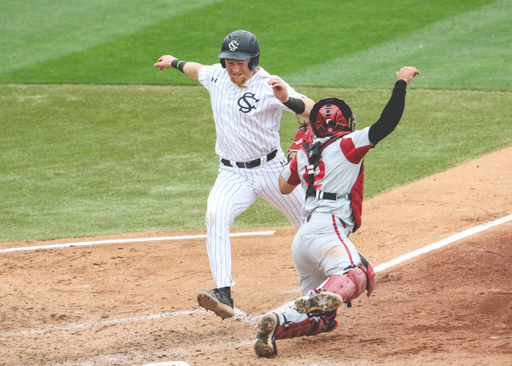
point(301, 107)
point(393, 111)
point(191, 69)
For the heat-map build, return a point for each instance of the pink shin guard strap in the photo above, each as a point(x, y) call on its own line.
point(370, 273)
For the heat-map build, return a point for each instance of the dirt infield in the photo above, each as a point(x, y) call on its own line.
point(134, 303)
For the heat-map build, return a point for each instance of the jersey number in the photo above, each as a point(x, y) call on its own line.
point(319, 175)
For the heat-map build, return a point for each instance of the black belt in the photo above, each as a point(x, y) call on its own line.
point(321, 195)
point(250, 164)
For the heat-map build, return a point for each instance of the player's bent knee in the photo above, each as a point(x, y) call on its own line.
point(209, 219)
point(352, 284)
point(358, 277)
point(344, 286)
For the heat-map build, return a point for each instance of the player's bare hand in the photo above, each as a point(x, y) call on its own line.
point(279, 88)
point(407, 73)
point(164, 62)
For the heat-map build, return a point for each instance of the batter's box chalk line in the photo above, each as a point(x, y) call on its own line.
point(134, 240)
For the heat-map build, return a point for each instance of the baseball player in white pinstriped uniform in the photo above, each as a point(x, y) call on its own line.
point(247, 104)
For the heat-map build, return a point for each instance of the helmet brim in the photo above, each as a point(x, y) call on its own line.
point(242, 56)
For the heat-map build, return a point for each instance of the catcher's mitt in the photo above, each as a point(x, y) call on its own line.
point(303, 135)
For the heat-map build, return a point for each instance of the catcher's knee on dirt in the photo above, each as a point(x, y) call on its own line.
point(352, 284)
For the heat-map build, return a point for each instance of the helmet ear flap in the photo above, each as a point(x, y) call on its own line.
point(253, 64)
point(348, 114)
point(352, 122)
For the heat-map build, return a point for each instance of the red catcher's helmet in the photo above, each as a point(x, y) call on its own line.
point(331, 115)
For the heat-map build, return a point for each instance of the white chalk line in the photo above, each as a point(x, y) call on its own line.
point(105, 323)
point(118, 241)
point(442, 243)
point(240, 315)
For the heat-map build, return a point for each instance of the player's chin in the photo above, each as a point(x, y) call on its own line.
point(239, 80)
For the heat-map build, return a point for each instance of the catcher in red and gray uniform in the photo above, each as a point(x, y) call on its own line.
point(330, 170)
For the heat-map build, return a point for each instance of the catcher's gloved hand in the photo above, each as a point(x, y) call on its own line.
point(303, 135)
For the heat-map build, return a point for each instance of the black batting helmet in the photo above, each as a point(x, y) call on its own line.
point(240, 45)
point(331, 115)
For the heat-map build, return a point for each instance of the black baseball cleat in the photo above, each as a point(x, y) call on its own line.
point(265, 345)
point(216, 301)
point(320, 301)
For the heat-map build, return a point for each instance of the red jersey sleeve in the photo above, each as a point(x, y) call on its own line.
point(356, 145)
point(290, 172)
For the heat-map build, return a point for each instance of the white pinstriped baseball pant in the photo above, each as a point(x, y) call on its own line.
point(236, 189)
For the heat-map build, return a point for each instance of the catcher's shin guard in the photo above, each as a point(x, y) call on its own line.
point(270, 330)
point(351, 284)
point(370, 274)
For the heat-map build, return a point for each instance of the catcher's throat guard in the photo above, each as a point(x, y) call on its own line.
point(331, 115)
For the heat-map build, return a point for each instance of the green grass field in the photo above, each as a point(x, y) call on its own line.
point(97, 141)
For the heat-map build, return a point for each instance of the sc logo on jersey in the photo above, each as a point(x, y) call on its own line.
point(247, 102)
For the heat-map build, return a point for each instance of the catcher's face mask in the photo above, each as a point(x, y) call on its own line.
point(331, 115)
